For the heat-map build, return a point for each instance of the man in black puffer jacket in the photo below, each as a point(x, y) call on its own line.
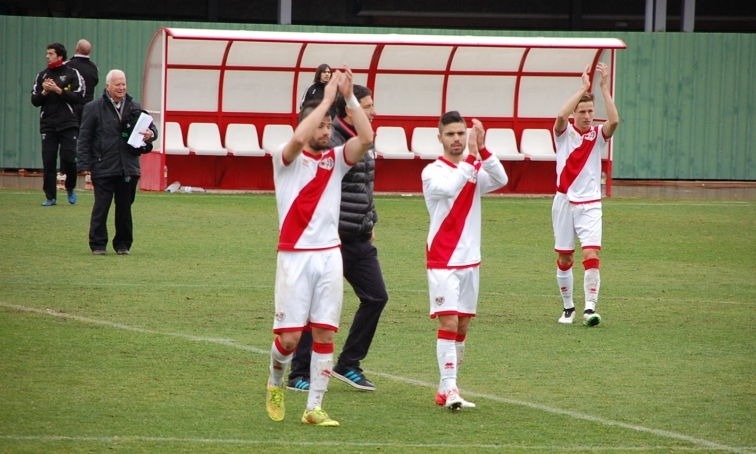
point(360, 258)
point(113, 163)
point(57, 90)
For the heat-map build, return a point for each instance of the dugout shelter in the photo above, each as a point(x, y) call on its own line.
point(223, 100)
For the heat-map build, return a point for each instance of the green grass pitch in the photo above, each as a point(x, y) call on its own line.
point(166, 350)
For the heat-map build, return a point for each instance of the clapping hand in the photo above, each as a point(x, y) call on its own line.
point(346, 85)
point(586, 78)
point(476, 138)
point(604, 70)
point(329, 94)
point(481, 136)
point(49, 85)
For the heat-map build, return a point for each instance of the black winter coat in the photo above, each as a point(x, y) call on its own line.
point(313, 93)
point(358, 216)
point(316, 93)
point(58, 110)
point(102, 149)
point(89, 72)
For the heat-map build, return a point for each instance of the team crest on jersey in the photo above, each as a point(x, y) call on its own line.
point(590, 136)
point(280, 316)
point(440, 300)
point(327, 163)
point(62, 78)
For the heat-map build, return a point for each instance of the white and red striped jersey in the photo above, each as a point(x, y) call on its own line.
point(452, 195)
point(578, 163)
point(308, 196)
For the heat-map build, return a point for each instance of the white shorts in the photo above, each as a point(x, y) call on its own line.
point(309, 290)
point(454, 291)
point(575, 219)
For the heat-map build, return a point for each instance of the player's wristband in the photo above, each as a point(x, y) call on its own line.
point(484, 154)
point(352, 102)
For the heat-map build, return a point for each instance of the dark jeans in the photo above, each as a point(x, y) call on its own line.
point(51, 142)
point(363, 272)
point(107, 189)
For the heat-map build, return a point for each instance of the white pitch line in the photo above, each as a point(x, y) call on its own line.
point(227, 342)
point(576, 415)
point(328, 444)
point(407, 290)
point(545, 408)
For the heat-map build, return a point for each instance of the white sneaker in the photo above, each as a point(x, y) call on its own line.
point(567, 316)
point(453, 400)
point(591, 318)
point(441, 400)
point(466, 404)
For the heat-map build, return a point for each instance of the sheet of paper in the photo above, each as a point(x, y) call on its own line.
point(136, 140)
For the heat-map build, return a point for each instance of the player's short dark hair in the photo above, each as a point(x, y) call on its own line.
point(588, 97)
point(59, 49)
point(307, 109)
point(319, 72)
point(450, 117)
point(359, 93)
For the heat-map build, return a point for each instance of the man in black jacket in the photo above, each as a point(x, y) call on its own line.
point(88, 71)
point(360, 259)
point(114, 164)
point(58, 89)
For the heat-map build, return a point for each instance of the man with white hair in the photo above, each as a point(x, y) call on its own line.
point(104, 151)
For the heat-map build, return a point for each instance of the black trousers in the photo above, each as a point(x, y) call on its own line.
point(65, 141)
point(123, 191)
point(363, 272)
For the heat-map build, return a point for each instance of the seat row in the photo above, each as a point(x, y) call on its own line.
point(390, 142)
point(241, 139)
point(536, 144)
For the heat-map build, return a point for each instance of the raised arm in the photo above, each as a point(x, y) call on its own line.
point(564, 113)
point(475, 139)
point(307, 127)
point(355, 147)
point(611, 110)
point(494, 176)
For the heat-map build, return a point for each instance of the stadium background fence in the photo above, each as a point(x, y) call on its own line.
point(687, 100)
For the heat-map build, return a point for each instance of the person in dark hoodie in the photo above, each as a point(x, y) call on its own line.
point(91, 75)
point(57, 90)
point(104, 151)
point(315, 91)
point(362, 270)
point(88, 71)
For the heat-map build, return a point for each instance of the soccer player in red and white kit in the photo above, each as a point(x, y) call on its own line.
point(309, 279)
point(452, 186)
point(576, 210)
